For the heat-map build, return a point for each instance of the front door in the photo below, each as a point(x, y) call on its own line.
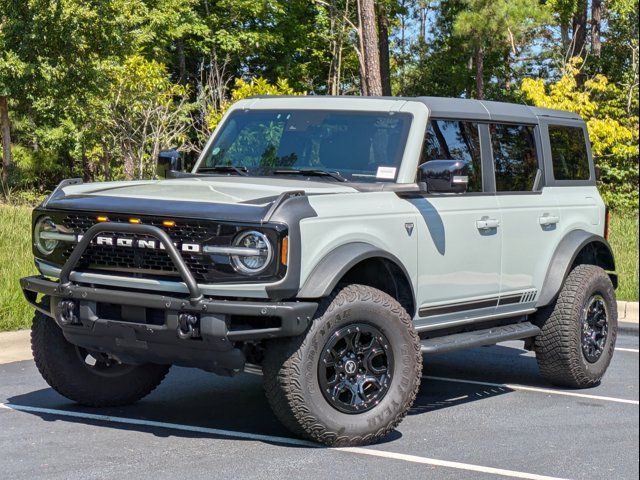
point(459, 247)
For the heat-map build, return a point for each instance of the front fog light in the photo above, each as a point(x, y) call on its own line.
point(262, 252)
point(44, 235)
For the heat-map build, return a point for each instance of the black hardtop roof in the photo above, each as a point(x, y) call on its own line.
point(464, 108)
point(442, 107)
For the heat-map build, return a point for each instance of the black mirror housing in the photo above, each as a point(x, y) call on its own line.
point(444, 176)
point(169, 162)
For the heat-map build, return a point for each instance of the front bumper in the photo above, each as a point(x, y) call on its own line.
point(144, 327)
point(138, 327)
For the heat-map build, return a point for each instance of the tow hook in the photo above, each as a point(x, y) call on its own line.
point(188, 326)
point(68, 314)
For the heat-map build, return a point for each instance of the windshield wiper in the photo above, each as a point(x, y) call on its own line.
point(243, 171)
point(311, 172)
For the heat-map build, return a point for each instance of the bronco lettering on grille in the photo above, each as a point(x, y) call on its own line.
point(148, 244)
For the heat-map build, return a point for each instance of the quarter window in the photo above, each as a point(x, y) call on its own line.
point(515, 157)
point(455, 140)
point(569, 153)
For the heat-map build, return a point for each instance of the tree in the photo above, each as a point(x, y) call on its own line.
point(371, 80)
point(614, 134)
point(144, 114)
point(596, 27)
point(491, 25)
point(383, 48)
point(5, 126)
point(242, 89)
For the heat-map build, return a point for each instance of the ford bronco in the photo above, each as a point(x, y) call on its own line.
point(329, 243)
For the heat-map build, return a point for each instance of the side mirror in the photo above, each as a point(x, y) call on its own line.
point(169, 162)
point(443, 176)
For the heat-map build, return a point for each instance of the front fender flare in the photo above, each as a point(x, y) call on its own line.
point(563, 259)
point(327, 273)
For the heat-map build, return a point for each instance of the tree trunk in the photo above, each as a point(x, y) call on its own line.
point(580, 29)
point(86, 167)
point(182, 64)
point(370, 47)
point(596, 27)
point(106, 165)
point(383, 47)
point(479, 54)
point(422, 34)
point(564, 38)
point(5, 126)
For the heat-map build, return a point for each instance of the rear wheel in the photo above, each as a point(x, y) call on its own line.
point(352, 377)
point(579, 331)
point(87, 377)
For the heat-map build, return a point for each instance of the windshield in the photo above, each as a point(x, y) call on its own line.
point(360, 146)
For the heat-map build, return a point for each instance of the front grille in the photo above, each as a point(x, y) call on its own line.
point(148, 263)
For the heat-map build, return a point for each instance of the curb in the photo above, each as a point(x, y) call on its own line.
point(15, 346)
point(628, 312)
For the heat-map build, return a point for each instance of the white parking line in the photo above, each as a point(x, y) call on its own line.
point(633, 350)
point(281, 440)
point(525, 388)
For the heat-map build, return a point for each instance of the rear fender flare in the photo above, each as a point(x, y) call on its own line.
point(563, 260)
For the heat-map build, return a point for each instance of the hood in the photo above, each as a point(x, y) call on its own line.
point(256, 190)
point(216, 198)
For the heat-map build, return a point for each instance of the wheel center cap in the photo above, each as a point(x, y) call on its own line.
point(350, 367)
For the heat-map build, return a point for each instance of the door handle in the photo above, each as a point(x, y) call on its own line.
point(487, 223)
point(546, 220)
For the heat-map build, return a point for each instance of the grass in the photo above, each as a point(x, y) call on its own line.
point(624, 241)
point(16, 261)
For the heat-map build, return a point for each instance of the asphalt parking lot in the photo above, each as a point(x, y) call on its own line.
point(482, 413)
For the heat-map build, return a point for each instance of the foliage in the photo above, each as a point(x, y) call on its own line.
point(96, 88)
point(144, 113)
point(614, 134)
point(243, 89)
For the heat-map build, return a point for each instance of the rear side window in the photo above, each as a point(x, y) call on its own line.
point(455, 140)
point(569, 153)
point(515, 157)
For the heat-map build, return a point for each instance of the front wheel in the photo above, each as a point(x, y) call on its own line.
point(86, 377)
point(352, 377)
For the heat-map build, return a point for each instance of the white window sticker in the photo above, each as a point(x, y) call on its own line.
point(386, 172)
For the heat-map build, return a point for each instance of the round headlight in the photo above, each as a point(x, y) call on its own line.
point(259, 252)
point(45, 245)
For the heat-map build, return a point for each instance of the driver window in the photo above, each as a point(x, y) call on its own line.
point(455, 140)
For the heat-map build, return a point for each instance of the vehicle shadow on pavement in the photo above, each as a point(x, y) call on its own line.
point(198, 399)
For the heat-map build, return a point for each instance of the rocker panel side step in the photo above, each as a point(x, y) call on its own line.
point(479, 338)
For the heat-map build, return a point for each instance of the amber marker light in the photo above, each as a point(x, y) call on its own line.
point(168, 223)
point(135, 221)
point(284, 251)
point(102, 218)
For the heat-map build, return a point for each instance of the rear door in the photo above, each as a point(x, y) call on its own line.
point(530, 213)
point(459, 234)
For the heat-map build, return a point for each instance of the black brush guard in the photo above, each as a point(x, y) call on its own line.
point(133, 339)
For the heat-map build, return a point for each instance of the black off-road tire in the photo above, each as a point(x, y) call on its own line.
point(291, 377)
point(63, 368)
point(559, 347)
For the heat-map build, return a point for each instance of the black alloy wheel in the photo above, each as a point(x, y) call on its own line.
point(595, 328)
point(355, 368)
